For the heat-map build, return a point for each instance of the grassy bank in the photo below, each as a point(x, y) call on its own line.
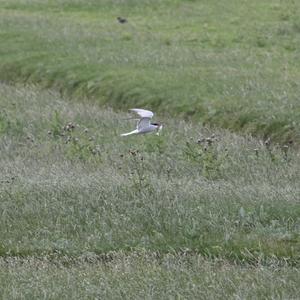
point(233, 64)
point(194, 213)
point(79, 187)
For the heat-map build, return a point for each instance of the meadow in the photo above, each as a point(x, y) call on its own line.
point(207, 210)
point(81, 204)
point(234, 64)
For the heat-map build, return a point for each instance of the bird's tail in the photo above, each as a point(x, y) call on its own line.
point(130, 133)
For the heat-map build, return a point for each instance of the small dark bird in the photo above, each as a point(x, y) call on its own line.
point(121, 20)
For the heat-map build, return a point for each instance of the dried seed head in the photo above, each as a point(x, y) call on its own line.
point(285, 148)
point(209, 141)
point(30, 138)
point(133, 152)
point(70, 126)
point(268, 142)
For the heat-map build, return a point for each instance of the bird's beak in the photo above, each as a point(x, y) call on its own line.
point(159, 129)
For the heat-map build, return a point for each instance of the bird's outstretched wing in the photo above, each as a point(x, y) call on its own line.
point(143, 113)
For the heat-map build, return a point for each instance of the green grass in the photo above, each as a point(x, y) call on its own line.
point(232, 64)
point(144, 276)
point(193, 213)
point(86, 213)
point(199, 212)
point(85, 189)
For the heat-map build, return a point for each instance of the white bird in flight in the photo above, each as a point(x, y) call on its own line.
point(144, 125)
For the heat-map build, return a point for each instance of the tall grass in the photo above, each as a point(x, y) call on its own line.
point(143, 276)
point(70, 184)
point(194, 213)
point(233, 64)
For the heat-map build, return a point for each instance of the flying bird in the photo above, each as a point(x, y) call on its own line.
point(144, 124)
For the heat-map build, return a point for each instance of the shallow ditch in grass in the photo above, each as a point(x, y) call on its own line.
point(225, 73)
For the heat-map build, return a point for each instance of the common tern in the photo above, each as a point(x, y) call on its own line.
point(144, 125)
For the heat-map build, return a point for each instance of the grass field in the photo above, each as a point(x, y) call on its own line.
point(209, 209)
point(204, 212)
point(232, 63)
point(144, 276)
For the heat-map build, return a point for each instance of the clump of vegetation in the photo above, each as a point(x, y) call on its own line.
point(207, 155)
point(79, 143)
